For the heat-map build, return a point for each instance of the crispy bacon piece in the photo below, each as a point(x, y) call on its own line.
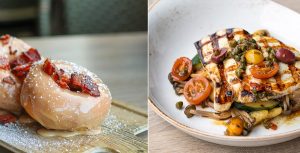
point(31, 55)
point(4, 63)
point(5, 39)
point(58, 75)
point(21, 70)
point(77, 82)
point(89, 87)
point(7, 118)
point(61, 79)
point(48, 67)
point(9, 80)
point(21, 65)
point(83, 83)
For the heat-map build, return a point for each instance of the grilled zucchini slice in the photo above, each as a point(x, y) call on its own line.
point(256, 106)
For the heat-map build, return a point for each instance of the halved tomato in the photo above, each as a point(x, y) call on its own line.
point(264, 71)
point(196, 90)
point(182, 69)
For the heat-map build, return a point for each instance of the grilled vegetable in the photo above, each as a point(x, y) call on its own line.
point(274, 112)
point(255, 106)
point(254, 56)
point(265, 114)
point(196, 90)
point(187, 110)
point(264, 70)
point(285, 56)
point(197, 65)
point(259, 115)
point(213, 115)
point(196, 60)
point(235, 127)
point(181, 69)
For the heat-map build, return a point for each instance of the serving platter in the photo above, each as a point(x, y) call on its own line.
point(118, 134)
point(174, 26)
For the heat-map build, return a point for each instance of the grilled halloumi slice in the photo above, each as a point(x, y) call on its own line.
point(206, 47)
point(286, 81)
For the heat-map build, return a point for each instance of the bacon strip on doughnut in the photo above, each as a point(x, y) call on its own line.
point(77, 82)
point(21, 65)
point(83, 83)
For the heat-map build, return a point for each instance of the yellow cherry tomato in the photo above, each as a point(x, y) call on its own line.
point(254, 56)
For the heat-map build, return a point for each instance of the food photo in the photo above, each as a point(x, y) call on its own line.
point(223, 75)
point(63, 78)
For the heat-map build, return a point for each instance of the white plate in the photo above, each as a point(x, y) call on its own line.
point(174, 25)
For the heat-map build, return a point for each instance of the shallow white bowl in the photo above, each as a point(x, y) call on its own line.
point(174, 25)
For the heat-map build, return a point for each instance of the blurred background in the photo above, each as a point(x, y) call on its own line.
point(68, 17)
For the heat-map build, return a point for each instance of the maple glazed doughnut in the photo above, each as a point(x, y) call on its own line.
point(16, 58)
point(63, 96)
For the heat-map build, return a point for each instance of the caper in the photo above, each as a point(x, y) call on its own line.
point(243, 66)
point(253, 40)
point(238, 72)
point(269, 49)
point(268, 63)
point(232, 43)
point(179, 105)
point(235, 51)
point(240, 41)
point(187, 110)
point(243, 47)
point(237, 57)
point(243, 59)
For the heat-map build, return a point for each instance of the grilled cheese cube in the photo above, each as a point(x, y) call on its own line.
point(283, 68)
point(207, 51)
point(287, 79)
point(297, 64)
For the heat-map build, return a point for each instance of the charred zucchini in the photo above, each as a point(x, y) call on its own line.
point(265, 114)
point(255, 106)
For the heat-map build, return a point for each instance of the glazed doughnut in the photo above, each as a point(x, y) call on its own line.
point(63, 96)
point(13, 68)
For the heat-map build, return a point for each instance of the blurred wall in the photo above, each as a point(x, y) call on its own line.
point(65, 17)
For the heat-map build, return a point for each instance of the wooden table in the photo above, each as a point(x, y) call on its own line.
point(120, 60)
point(163, 137)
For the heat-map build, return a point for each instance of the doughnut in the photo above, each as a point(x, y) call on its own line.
point(16, 58)
point(63, 96)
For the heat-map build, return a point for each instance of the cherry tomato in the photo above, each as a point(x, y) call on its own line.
point(254, 56)
point(196, 90)
point(264, 71)
point(182, 69)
